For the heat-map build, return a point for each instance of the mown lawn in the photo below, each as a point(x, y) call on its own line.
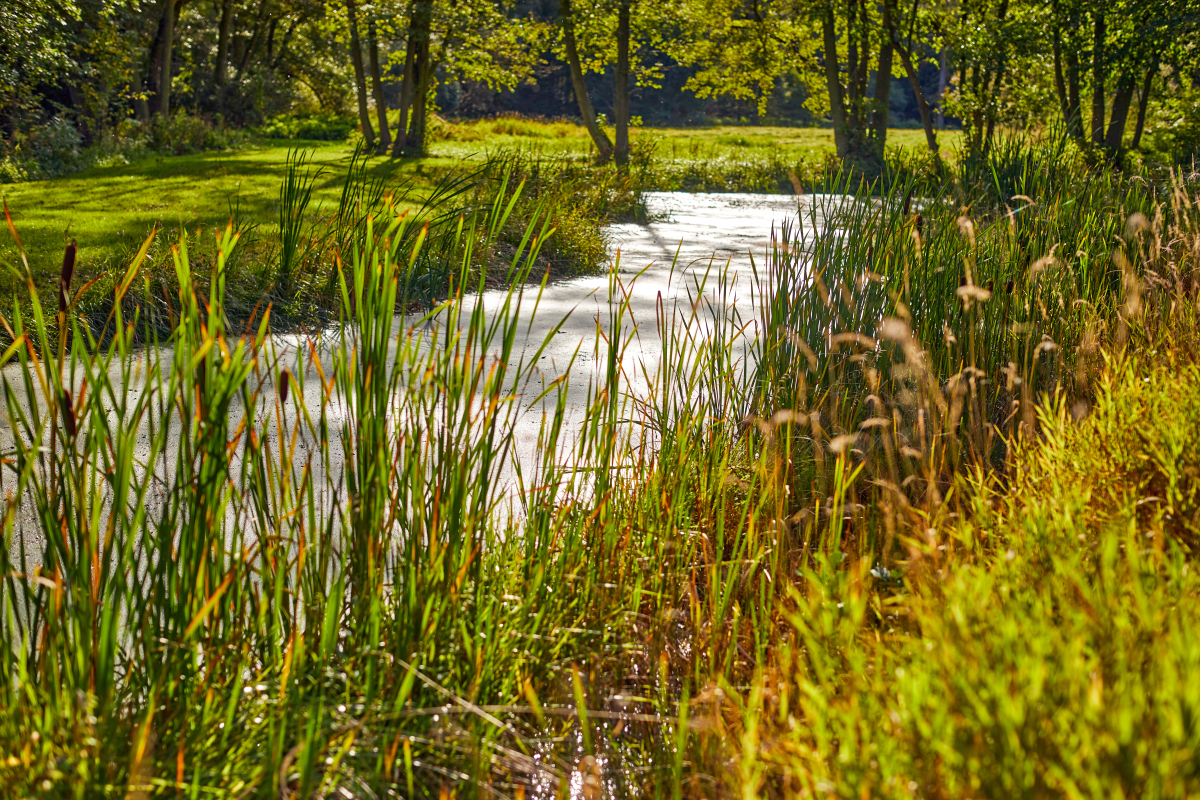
point(110, 210)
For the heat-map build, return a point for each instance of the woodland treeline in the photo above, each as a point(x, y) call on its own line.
point(1097, 70)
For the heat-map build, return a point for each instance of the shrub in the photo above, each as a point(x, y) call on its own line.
point(48, 150)
point(56, 148)
point(182, 134)
point(319, 127)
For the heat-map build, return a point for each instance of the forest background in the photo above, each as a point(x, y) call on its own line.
point(98, 81)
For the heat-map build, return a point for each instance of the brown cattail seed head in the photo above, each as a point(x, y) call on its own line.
point(920, 223)
point(64, 278)
point(962, 281)
point(68, 413)
point(1008, 287)
point(284, 380)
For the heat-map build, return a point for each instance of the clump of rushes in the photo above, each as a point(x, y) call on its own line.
point(823, 553)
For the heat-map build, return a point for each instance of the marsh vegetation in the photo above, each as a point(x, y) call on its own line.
point(933, 535)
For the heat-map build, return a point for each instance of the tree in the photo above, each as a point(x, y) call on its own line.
point(461, 39)
point(360, 83)
point(385, 137)
point(604, 146)
point(859, 120)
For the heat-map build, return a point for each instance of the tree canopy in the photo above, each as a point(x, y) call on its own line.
point(856, 65)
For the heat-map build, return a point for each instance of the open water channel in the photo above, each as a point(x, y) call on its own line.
point(653, 265)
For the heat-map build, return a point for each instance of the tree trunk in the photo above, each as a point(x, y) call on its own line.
point(1074, 103)
point(422, 75)
point(1142, 101)
point(360, 80)
point(1120, 112)
point(922, 103)
point(911, 71)
point(1098, 33)
point(406, 94)
point(599, 137)
point(1060, 83)
point(223, 42)
point(883, 88)
point(621, 94)
point(833, 83)
point(164, 85)
point(385, 138)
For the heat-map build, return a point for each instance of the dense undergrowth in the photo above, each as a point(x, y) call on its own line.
point(922, 526)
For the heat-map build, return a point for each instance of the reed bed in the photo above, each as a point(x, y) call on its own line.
point(854, 544)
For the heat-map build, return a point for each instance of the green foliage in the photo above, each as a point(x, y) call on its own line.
point(56, 149)
point(1043, 642)
point(328, 127)
point(1176, 129)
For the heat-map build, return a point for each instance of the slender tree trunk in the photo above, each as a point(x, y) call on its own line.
point(621, 95)
point(911, 71)
point(422, 75)
point(360, 80)
point(1060, 83)
point(385, 138)
point(922, 104)
point(1099, 31)
point(406, 94)
point(599, 137)
point(883, 89)
point(833, 83)
point(1074, 102)
point(864, 64)
point(164, 85)
point(418, 130)
point(223, 42)
point(1143, 100)
point(1120, 112)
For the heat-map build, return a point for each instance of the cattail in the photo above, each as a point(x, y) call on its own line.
point(284, 376)
point(919, 223)
point(68, 408)
point(962, 281)
point(989, 285)
point(1008, 287)
point(64, 278)
point(907, 202)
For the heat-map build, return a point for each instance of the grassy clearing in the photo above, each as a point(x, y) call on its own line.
point(561, 137)
point(880, 558)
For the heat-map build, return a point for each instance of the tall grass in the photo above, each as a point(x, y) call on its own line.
point(236, 567)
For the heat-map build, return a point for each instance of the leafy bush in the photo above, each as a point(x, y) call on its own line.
point(56, 148)
point(1174, 129)
point(49, 150)
point(321, 127)
point(182, 133)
